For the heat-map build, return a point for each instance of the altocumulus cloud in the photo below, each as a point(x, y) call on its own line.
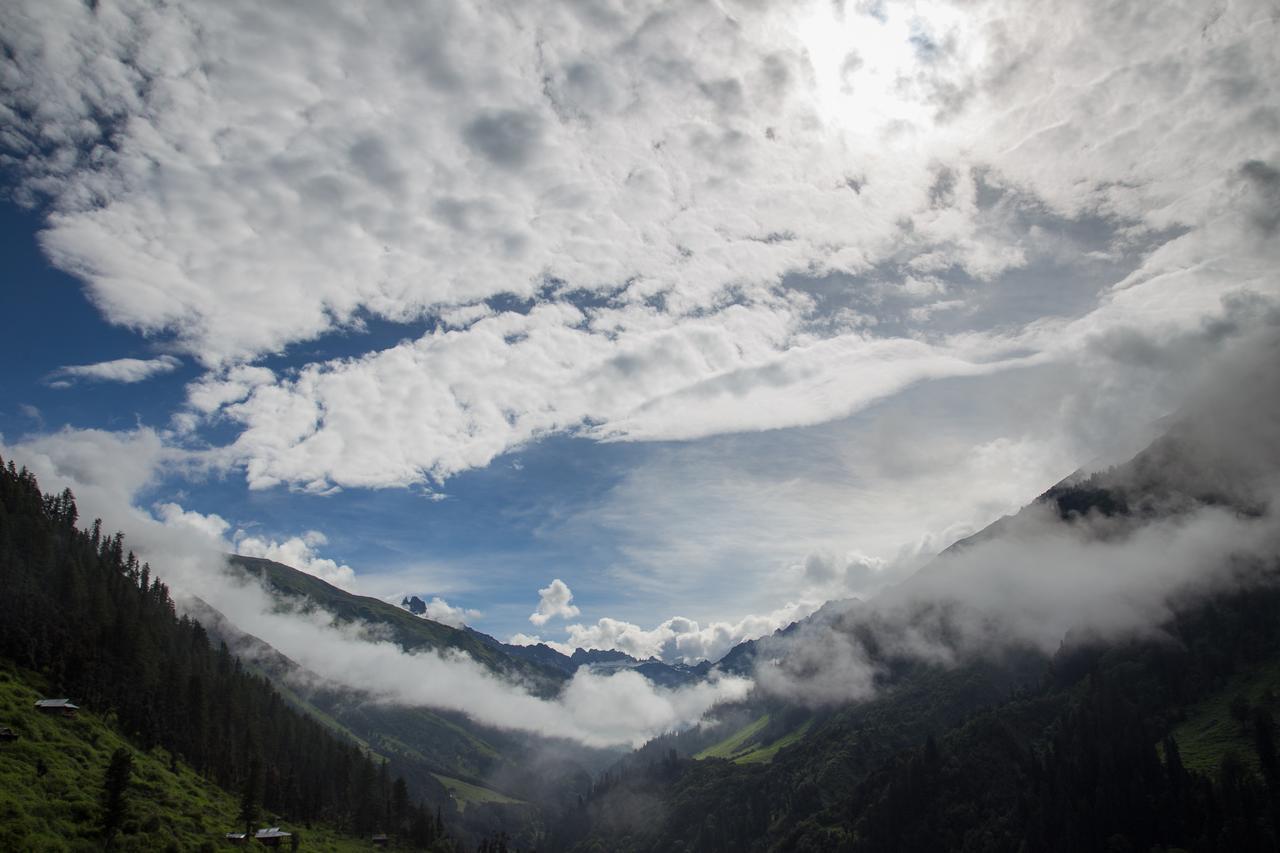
point(640, 179)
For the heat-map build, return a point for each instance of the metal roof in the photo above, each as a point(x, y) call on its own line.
point(55, 703)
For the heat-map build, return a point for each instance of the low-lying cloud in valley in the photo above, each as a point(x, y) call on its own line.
point(1200, 520)
point(188, 551)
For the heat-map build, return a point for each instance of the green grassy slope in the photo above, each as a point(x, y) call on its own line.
point(758, 741)
point(171, 808)
point(1210, 730)
point(465, 792)
point(739, 742)
point(767, 752)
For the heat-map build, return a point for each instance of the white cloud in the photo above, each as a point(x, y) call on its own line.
point(125, 370)
point(519, 639)
point(554, 601)
point(300, 553)
point(645, 177)
point(212, 525)
point(439, 610)
point(679, 640)
point(215, 390)
point(1204, 498)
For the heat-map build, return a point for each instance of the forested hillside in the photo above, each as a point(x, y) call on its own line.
point(97, 626)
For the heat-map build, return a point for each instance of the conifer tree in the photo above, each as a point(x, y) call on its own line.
point(115, 794)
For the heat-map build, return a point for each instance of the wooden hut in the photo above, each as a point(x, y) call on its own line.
point(271, 836)
point(57, 706)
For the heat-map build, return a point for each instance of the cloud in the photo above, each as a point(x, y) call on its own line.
point(1040, 583)
point(439, 610)
point(507, 138)
point(212, 525)
point(124, 370)
point(1202, 521)
point(520, 639)
point(299, 552)
point(641, 188)
point(554, 601)
point(675, 640)
point(32, 413)
point(679, 640)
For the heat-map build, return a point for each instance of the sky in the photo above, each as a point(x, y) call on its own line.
point(619, 324)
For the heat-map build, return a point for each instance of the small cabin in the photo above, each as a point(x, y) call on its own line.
point(237, 838)
point(380, 840)
point(271, 836)
point(7, 735)
point(57, 706)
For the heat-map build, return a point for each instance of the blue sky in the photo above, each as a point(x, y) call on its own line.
point(712, 313)
point(488, 533)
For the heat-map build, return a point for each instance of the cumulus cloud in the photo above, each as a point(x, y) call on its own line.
point(522, 639)
point(554, 601)
point(124, 370)
point(439, 610)
point(212, 525)
point(299, 552)
point(678, 640)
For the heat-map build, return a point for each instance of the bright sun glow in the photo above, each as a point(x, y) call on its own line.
point(866, 66)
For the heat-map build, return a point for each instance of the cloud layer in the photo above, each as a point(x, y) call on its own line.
point(1201, 521)
point(647, 222)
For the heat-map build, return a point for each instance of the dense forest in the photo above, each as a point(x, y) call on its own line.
point(99, 627)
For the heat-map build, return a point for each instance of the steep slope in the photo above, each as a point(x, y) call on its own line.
point(52, 775)
point(493, 780)
point(1011, 751)
point(97, 626)
point(410, 632)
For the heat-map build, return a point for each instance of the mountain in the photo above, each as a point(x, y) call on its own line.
point(489, 780)
point(1159, 740)
point(410, 632)
point(606, 661)
point(539, 665)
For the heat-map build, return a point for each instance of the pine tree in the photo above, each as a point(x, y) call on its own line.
point(115, 793)
point(250, 795)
